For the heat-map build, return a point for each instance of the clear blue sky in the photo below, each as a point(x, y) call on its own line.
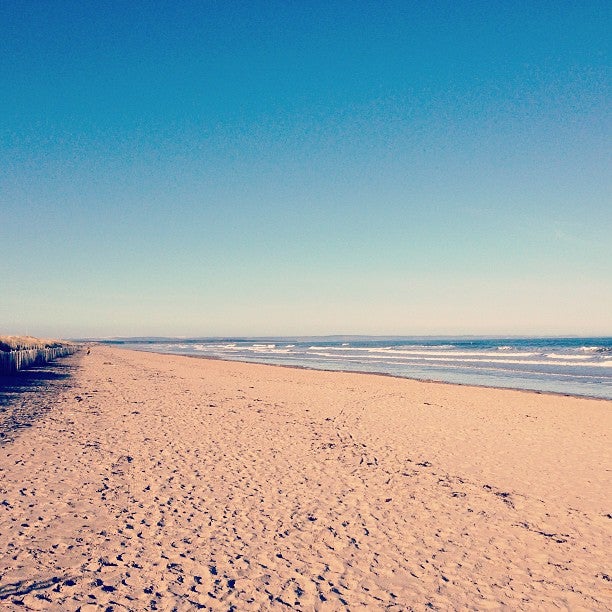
point(249, 168)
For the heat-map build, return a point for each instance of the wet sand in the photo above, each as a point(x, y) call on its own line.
point(162, 482)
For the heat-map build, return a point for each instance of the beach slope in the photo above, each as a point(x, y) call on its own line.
point(166, 482)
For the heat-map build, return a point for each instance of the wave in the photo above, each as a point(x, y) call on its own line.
point(208, 347)
point(345, 346)
point(460, 366)
point(422, 354)
point(393, 351)
point(595, 349)
point(450, 359)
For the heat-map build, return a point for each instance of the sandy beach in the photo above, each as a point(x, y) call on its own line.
point(155, 482)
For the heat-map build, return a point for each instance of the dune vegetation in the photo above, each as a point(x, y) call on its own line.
point(19, 352)
point(22, 343)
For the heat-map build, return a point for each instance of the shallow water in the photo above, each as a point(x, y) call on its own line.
point(576, 366)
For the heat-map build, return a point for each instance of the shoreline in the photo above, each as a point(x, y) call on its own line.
point(217, 484)
point(386, 374)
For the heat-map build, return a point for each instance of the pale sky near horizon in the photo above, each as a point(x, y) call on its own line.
point(284, 168)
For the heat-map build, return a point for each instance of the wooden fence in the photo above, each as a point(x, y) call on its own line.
point(12, 361)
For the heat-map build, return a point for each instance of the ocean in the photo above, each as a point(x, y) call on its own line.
point(573, 366)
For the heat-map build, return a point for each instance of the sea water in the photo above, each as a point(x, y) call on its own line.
point(575, 366)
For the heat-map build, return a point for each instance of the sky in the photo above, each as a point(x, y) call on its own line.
point(296, 168)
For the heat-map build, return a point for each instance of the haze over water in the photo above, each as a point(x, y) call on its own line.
point(576, 366)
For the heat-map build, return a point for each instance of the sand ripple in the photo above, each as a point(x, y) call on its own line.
point(169, 483)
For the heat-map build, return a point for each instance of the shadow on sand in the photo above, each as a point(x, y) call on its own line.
point(23, 587)
point(29, 394)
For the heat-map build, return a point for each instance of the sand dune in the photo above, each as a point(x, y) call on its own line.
point(152, 482)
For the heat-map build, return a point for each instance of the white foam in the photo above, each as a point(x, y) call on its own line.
point(451, 353)
point(459, 364)
point(450, 358)
point(202, 347)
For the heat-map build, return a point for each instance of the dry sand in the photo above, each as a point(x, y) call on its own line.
point(172, 483)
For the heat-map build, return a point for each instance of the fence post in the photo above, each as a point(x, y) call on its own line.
point(15, 360)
